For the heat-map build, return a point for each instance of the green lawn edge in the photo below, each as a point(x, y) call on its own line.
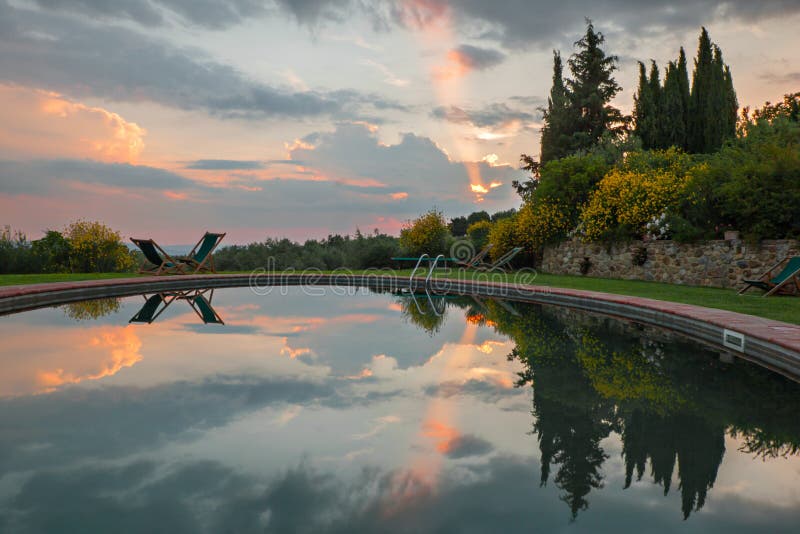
point(785, 309)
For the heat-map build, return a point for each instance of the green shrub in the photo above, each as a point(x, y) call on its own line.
point(479, 233)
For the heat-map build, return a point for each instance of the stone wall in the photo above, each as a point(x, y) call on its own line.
point(713, 263)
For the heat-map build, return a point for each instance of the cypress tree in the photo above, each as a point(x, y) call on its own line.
point(700, 104)
point(673, 108)
point(683, 81)
point(558, 124)
point(713, 105)
point(656, 133)
point(591, 90)
point(645, 110)
point(732, 108)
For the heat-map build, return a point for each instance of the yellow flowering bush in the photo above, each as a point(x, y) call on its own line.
point(503, 236)
point(426, 234)
point(541, 222)
point(627, 200)
point(94, 247)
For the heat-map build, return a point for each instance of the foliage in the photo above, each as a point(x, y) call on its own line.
point(713, 105)
point(96, 248)
point(52, 252)
point(558, 119)
point(84, 247)
point(753, 184)
point(503, 236)
point(458, 226)
point(591, 89)
point(426, 234)
point(333, 252)
point(86, 310)
point(626, 200)
point(540, 223)
point(478, 233)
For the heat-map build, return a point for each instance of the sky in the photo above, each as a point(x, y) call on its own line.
point(301, 118)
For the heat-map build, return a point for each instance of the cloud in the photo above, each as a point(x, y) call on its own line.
point(76, 58)
point(50, 176)
point(55, 126)
point(783, 77)
point(224, 165)
point(476, 58)
point(415, 165)
point(465, 59)
point(465, 445)
point(494, 116)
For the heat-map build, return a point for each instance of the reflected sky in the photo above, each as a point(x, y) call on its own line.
point(363, 412)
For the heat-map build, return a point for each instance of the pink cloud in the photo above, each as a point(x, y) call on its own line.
point(55, 126)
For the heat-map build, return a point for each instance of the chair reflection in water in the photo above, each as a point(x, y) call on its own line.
point(198, 299)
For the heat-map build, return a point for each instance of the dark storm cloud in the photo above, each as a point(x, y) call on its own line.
point(493, 115)
point(72, 56)
point(43, 176)
point(515, 23)
point(476, 58)
point(468, 445)
point(224, 165)
point(502, 494)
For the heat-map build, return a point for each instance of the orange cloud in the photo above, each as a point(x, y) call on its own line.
point(58, 127)
point(66, 357)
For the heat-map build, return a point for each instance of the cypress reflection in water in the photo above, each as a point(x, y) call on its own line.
point(670, 401)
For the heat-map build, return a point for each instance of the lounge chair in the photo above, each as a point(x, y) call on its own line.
point(161, 262)
point(475, 260)
point(201, 258)
point(152, 308)
point(501, 262)
point(786, 281)
point(202, 307)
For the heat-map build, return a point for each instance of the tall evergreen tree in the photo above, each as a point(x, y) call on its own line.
point(591, 90)
point(558, 123)
point(702, 88)
point(645, 110)
point(713, 105)
point(656, 94)
point(732, 107)
point(673, 115)
point(683, 80)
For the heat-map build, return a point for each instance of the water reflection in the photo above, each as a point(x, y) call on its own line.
point(198, 299)
point(363, 413)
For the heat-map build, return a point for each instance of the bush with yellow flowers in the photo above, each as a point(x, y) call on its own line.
point(626, 200)
point(541, 222)
point(96, 248)
point(425, 235)
point(503, 236)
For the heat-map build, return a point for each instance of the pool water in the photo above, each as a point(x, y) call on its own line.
point(353, 411)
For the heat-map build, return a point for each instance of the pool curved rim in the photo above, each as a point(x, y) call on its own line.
point(772, 344)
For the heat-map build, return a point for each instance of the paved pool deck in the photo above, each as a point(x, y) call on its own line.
point(773, 344)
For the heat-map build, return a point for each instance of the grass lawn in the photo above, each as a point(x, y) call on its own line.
point(779, 308)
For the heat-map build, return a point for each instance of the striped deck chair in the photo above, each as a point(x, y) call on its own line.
point(501, 262)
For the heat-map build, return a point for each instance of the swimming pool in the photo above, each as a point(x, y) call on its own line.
point(358, 411)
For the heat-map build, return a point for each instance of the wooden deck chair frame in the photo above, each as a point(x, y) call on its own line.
point(763, 281)
point(501, 262)
point(200, 293)
point(165, 299)
point(477, 258)
point(207, 263)
point(168, 263)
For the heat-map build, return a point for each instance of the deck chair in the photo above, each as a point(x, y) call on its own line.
point(477, 259)
point(202, 307)
point(501, 262)
point(161, 262)
point(785, 281)
point(201, 258)
point(152, 308)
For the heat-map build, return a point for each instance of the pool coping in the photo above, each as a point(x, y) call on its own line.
point(771, 343)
